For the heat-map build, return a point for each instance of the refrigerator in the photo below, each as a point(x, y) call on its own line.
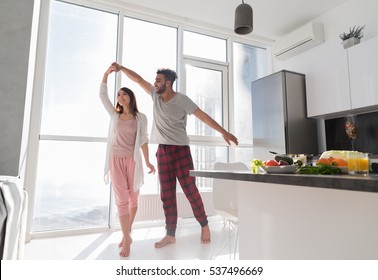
point(279, 116)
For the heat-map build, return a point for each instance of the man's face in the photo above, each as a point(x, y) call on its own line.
point(160, 84)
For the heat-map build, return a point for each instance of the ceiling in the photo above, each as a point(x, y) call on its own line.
point(272, 18)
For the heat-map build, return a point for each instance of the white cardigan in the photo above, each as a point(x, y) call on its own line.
point(141, 138)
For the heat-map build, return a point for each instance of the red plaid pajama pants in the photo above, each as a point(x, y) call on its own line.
point(175, 162)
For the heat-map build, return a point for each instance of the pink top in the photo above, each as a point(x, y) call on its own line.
point(124, 140)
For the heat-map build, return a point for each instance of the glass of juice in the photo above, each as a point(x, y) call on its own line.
point(358, 163)
point(363, 164)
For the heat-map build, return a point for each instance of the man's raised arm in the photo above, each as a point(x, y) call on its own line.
point(146, 86)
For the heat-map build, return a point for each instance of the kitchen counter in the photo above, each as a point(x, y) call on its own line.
point(340, 182)
point(310, 217)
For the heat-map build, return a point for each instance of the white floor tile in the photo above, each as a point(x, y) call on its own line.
point(104, 246)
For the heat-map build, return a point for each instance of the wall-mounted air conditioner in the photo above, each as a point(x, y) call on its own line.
point(299, 40)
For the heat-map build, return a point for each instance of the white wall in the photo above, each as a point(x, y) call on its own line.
point(337, 21)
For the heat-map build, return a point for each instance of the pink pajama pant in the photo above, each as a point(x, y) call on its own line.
point(122, 176)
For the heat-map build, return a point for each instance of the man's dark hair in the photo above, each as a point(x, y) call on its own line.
point(169, 74)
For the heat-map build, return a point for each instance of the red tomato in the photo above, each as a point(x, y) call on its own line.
point(271, 162)
point(339, 162)
point(323, 161)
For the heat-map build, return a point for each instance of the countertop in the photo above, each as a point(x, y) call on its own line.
point(341, 182)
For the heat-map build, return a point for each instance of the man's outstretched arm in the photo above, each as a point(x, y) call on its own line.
point(228, 137)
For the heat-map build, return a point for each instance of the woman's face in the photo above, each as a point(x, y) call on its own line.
point(123, 98)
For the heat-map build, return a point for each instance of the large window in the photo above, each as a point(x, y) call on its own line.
point(157, 48)
point(250, 64)
point(70, 191)
point(205, 82)
point(81, 44)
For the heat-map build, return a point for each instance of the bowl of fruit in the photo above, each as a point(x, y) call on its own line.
point(280, 164)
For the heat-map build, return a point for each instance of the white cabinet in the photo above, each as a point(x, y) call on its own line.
point(363, 63)
point(327, 83)
point(343, 80)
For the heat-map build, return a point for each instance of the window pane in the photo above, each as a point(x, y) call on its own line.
point(204, 87)
point(144, 54)
point(151, 181)
point(244, 155)
point(82, 43)
point(70, 192)
point(204, 46)
point(204, 158)
point(250, 63)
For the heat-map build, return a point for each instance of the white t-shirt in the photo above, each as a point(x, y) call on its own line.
point(169, 123)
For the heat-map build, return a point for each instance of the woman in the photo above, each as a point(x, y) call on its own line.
point(126, 138)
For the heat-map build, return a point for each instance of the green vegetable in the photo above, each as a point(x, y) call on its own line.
point(255, 164)
point(286, 158)
point(324, 169)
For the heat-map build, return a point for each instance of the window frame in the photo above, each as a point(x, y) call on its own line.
point(217, 66)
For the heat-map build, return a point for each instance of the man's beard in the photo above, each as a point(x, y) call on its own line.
point(161, 90)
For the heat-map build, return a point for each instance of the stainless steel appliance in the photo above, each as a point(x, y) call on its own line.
point(279, 116)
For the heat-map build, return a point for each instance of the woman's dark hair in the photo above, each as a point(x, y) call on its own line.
point(169, 74)
point(133, 105)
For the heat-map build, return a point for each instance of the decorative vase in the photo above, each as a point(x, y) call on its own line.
point(350, 42)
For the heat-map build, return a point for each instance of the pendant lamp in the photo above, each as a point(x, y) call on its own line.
point(243, 19)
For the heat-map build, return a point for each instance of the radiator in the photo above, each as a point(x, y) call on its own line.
point(151, 208)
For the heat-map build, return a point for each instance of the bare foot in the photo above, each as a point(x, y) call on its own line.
point(165, 241)
point(120, 243)
point(125, 251)
point(205, 235)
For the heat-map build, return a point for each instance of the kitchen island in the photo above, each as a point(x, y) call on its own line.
point(291, 216)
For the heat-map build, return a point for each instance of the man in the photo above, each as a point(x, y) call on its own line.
point(170, 110)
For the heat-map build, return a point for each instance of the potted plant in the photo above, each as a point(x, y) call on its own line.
point(353, 37)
